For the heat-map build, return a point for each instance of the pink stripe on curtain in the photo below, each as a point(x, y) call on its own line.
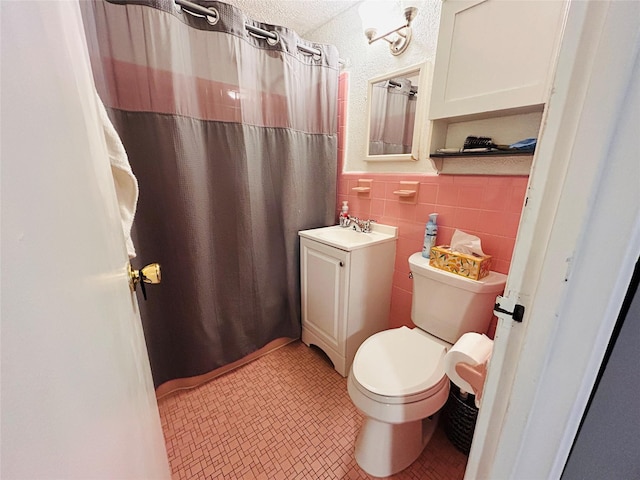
point(210, 99)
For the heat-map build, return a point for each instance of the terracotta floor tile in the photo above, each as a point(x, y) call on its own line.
point(286, 415)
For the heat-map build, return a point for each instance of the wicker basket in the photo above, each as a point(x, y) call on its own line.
point(461, 415)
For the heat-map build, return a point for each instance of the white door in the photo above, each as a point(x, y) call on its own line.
point(578, 241)
point(77, 394)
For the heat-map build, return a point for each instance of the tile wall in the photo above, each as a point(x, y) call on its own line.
point(486, 206)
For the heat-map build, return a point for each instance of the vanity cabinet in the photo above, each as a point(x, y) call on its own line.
point(494, 55)
point(345, 293)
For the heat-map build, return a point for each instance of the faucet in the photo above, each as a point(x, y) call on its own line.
point(345, 221)
point(363, 226)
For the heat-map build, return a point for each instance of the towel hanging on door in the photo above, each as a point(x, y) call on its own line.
point(125, 182)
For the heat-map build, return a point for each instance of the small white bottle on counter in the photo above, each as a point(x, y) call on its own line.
point(344, 214)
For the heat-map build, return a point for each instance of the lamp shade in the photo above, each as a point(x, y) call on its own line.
point(410, 3)
point(378, 15)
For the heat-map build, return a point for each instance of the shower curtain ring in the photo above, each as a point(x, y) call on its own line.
point(209, 13)
point(273, 41)
point(213, 19)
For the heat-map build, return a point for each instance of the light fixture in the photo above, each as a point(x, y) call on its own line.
point(374, 15)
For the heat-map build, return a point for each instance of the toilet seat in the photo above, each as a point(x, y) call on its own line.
point(400, 365)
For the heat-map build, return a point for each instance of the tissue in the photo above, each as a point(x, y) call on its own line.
point(474, 350)
point(463, 257)
point(462, 242)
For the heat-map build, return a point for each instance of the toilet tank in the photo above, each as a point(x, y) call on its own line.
point(447, 305)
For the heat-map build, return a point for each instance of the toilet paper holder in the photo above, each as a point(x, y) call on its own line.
point(467, 361)
point(474, 375)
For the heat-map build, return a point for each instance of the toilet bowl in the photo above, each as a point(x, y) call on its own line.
point(397, 379)
point(399, 401)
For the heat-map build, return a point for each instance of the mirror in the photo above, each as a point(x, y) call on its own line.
point(396, 106)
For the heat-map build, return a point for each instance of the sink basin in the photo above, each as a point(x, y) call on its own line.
point(349, 239)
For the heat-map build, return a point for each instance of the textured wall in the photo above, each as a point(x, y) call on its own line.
point(300, 15)
point(368, 61)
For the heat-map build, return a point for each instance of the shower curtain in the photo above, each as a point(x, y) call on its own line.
point(233, 138)
point(393, 113)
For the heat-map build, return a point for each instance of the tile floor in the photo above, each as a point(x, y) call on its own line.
point(286, 415)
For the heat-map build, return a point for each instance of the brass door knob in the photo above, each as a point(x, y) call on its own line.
point(147, 274)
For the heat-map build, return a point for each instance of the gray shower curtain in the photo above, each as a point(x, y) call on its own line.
point(233, 139)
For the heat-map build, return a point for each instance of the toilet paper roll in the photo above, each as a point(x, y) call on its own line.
point(471, 348)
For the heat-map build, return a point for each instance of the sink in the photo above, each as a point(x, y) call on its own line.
point(349, 239)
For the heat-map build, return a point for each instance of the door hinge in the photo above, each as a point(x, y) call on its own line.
point(518, 310)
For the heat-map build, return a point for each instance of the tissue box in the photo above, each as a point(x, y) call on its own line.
point(469, 266)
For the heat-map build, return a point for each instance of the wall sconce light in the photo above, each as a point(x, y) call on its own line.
point(374, 14)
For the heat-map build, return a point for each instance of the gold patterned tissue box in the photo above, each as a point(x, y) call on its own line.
point(469, 266)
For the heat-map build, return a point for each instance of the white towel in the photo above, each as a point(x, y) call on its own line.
point(125, 181)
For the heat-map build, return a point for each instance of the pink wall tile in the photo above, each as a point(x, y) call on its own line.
point(400, 308)
point(491, 244)
point(377, 207)
point(516, 202)
point(391, 209)
point(469, 196)
point(428, 193)
point(401, 280)
point(496, 198)
point(448, 195)
point(411, 231)
point(466, 219)
point(506, 248)
point(501, 266)
point(378, 189)
point(488, 207)
point(499, 181)
point(467, 180)
point(444, 235)
point(446, 215)
point(343, 185)
point(406, 212)
point(423, 210)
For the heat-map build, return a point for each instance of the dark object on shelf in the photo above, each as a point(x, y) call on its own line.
point(484, 145)
point(472, 142)
point(460, 419)
point(475, 144)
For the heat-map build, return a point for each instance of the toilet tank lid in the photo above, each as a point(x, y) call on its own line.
point(399, 362)
point(492, 283)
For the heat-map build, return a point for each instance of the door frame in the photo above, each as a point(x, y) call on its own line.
point(578, 241)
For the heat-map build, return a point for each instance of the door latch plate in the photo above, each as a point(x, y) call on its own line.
point(517, 314)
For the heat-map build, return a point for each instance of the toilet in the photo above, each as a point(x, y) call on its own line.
point(397, 379)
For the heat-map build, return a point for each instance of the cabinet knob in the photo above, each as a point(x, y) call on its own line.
point(342, 264)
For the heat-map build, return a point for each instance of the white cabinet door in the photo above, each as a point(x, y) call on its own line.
point(324, 284)
point(77, 394)
point(494, 55)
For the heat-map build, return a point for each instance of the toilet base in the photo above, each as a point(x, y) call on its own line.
point(383, 449)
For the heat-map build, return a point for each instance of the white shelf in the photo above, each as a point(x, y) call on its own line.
point(484, 165)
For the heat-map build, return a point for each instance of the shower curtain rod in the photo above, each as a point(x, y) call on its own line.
point(212, 12)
